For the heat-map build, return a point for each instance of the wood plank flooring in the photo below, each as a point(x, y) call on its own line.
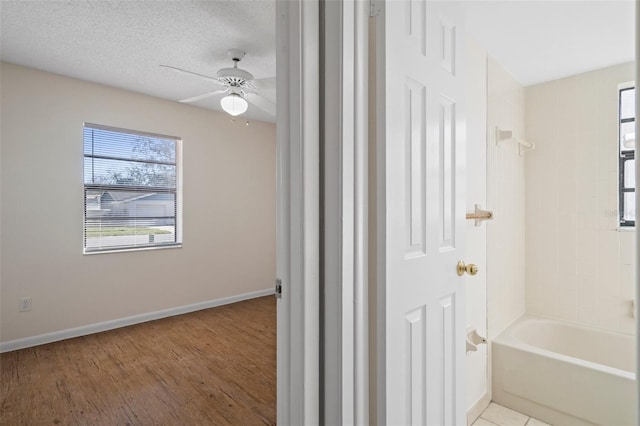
point(212, 367)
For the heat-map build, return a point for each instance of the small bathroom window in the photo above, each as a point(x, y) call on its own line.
point(627, 162)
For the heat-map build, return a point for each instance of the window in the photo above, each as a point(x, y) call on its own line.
point(627, 163)
point(131, 196)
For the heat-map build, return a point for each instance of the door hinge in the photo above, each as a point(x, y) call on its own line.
point(374, 8)
point(278, 288)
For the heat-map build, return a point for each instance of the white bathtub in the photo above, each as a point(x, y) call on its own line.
point(565, 374)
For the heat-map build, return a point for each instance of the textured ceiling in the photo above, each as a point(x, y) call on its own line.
point(122, 43)
point(537, 40)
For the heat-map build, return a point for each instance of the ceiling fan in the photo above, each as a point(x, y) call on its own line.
point(238, 85)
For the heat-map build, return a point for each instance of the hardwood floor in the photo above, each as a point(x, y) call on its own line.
point(216, 366)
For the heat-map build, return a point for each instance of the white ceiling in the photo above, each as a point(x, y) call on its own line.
point(538, 40)
point(122, 43)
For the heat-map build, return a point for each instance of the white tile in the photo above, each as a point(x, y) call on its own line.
point(627, 320)
point(586, 165)
point(568, 312)
point(588, 315)
point(609, 315)
point(536, 422)
point(587, 291)
point(567, 233)
point(503, 416)
point(586, 268)
point(567, 173)
point(607, 161)
point(568, 289)
point(608, 279)
point(608, 213)
point(627, 323)
point(587, 241)
point(532, 293)
point(627, 247)
point(587, 214)
point(549, 295)
point(550, 258)
point(534, 307)
point(607, 187)
point(587, 157)
point(578, 265)
point(483, 422)
point(627, 282)
point(549, 281)
point(589, 141)
point(609, 245)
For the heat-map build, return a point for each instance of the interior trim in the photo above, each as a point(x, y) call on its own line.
point(477, 408)
point(41, 339)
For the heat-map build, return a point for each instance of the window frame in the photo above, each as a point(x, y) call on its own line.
point(623, 157)
point(177, 192)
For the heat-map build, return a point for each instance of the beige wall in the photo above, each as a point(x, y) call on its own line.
point(579, 265)
point(228, 203)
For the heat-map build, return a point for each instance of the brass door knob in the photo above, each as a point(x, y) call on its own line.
point(470, 269)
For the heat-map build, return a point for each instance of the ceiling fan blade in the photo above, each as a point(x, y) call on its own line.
point(262, 103)
point(268, 83)
point(203, 96)
point(206, 77)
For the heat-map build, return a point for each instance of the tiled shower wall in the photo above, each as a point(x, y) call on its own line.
point(476, 236)
point(505, 194)
point(579, 265)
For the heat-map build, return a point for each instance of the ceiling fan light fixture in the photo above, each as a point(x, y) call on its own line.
point(234, 104)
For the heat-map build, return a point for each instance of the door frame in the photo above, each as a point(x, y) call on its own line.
point(297, 216)
point(321, 237)
point(344, 186)
point(637, 299)
point(298, 223)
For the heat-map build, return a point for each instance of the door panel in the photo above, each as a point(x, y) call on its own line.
point(421, 236)
point(416, 365)
point(415, 168)
point(446, 173)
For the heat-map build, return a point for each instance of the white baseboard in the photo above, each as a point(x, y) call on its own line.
point(477, 409)
point(55, 336)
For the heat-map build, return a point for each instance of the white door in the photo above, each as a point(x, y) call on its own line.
point(421, 154)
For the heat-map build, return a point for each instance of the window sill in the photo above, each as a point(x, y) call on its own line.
point(164, 247)
point(626, 228)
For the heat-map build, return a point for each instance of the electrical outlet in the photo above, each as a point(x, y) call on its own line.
point(25, 304)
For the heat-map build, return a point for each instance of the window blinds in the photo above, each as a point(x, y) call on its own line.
point(130, 189)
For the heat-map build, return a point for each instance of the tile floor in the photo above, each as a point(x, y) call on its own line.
point(497, 415)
